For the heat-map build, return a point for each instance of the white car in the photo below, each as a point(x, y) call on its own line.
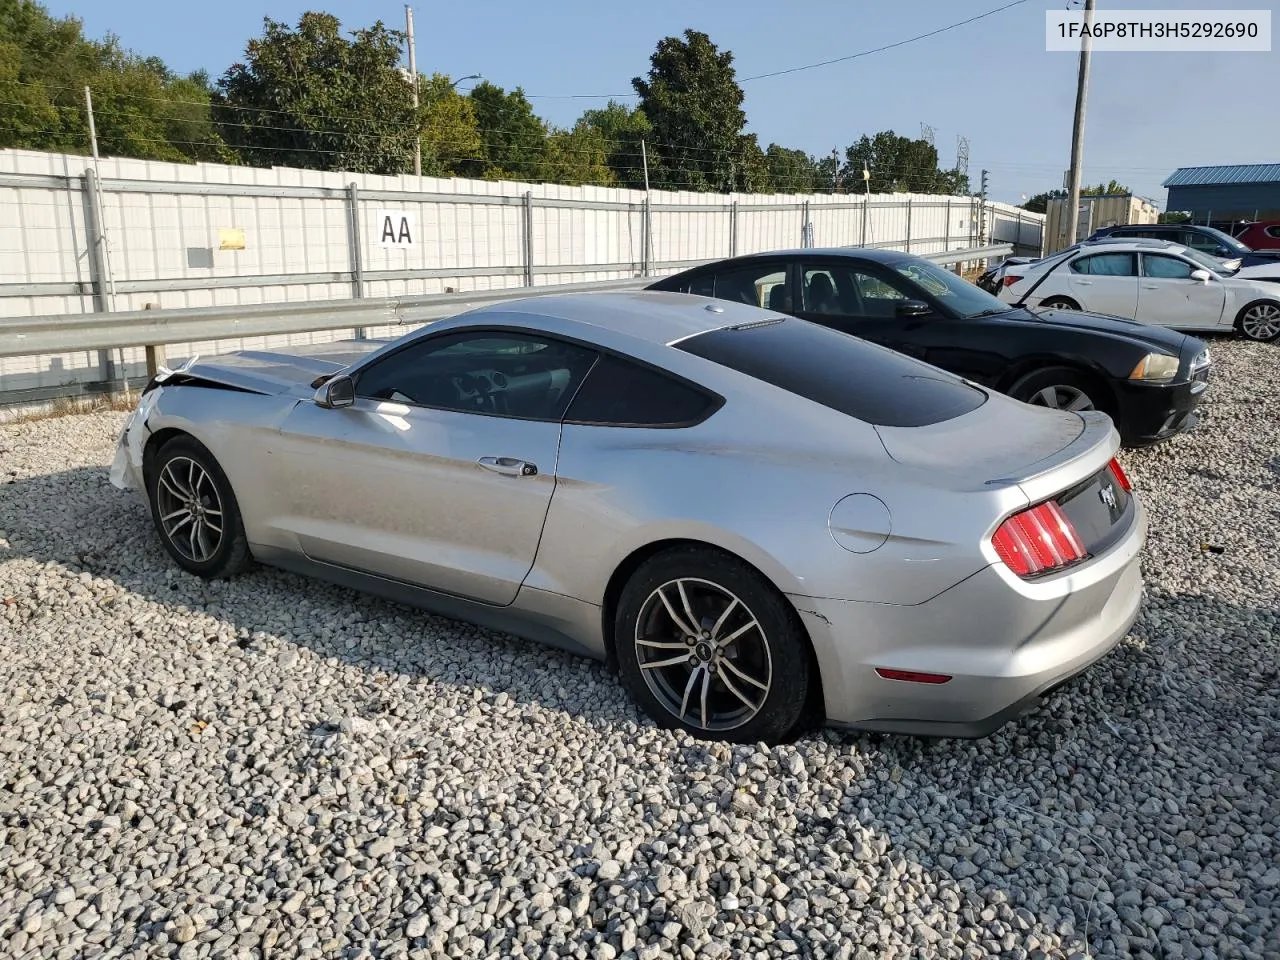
point(1163, 284)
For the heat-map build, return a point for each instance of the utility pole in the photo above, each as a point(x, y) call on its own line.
point(93, 130)
point(413, 79)
point(835, 170)
point(1077, 130)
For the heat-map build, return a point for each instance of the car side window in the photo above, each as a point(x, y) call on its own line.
point(1197, 241)
point(1273, 232)
point(763, 285)
point(850, 291)
point(622, 393)
point(1165, 268)
point(495, 373)
point(703, 285)
point(1106, 265)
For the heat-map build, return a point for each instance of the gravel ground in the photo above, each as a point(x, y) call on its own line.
point(276, 768)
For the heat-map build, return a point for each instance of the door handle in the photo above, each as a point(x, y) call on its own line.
point(1150, 286)
point(1085, 283)
point(509, 466)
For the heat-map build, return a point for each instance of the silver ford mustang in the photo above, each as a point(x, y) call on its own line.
point(760, 521)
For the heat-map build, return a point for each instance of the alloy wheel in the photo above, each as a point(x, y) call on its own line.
point(703, 654)
point(1261, 322)
point(189, 509)
point(1062, 397)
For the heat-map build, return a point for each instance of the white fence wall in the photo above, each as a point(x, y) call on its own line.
point(310, 235)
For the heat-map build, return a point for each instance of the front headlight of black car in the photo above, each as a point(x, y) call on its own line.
point(1155, 366)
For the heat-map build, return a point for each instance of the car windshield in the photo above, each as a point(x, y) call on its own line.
point(959, 294)
point(1228, 241)
point(1212, 264)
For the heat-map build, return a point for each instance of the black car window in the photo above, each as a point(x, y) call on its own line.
point(702, 285)
point(1106, 265)
point(488, 372)
point(1273, 232)
point(1200, 241)
point(754, 285)
point(857, 378)
point(849, 291)
point(1164, 267)
point(621, 393)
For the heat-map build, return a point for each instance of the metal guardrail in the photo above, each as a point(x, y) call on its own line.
point(65, 333)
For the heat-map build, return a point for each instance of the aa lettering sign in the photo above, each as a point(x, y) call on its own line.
point(396, 228)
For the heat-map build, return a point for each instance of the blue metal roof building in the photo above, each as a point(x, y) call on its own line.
point(1223, 194)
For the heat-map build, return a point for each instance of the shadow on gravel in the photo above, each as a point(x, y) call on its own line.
point(1070, 808)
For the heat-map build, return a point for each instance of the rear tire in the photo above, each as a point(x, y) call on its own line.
point(1259, 321)
point(743, 652)
point(1062, 388)
point(195, 511)
point(1059, 303)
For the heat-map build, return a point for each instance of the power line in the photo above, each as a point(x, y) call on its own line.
point(887, 46)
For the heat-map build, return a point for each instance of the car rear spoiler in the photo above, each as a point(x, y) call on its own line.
point(1083, 456)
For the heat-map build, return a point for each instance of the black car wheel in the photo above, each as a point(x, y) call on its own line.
point(706, 644)
point(1059, 303)
point(1061, 388)
point(1259, 321)
point(195, 511)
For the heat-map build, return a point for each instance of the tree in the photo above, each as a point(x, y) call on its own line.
point(141, 109)
point(1040, 202)
point(794, 171)
point(449, 130)
point(579, 156)
point(621, 129)
point(1108, 189)
point(898, 164)
point(312, 98)
point(1174, 216)
point(514, 139)
point(692, 99)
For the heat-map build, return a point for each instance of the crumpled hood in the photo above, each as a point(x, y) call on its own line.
point(273, 372)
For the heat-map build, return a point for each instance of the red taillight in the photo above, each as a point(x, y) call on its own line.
point(1010, 281)
point(912, 676)
point(1037, 540)
point(1121, 478)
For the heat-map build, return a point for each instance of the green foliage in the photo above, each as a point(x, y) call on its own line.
point(622, 128)
point(898, 165)
point(311, 98)
point(692, 99)
point(514, 139)
point(1174, 216)
point(450, 131)
point(140, 108)
point(1104, 189)
point(579, 156)
point(794, 171)
point(1040, 202)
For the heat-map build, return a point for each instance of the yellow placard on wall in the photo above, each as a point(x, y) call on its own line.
point(231, 239)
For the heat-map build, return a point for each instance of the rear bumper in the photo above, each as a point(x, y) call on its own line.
point(1147, 413)
point(1004, 642)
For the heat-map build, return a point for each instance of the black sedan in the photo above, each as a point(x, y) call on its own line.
point(1148, 379)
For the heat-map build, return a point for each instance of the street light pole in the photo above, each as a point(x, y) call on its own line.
point(1077, 130)
point(413, 80)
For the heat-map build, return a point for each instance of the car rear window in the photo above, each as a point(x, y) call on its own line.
point(860, 379)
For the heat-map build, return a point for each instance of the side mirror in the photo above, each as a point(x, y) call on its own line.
point(340, 391)
point(913, 308)
point(1204, 276)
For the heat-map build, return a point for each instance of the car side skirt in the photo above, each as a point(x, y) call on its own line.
point(547, 618)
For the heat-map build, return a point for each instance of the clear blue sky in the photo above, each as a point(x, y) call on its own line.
point(991, 81)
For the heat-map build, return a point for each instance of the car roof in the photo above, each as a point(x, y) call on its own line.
point(652, 316)
point(1131, 246)
point(861, 253)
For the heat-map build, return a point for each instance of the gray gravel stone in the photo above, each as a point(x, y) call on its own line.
point(273, 766)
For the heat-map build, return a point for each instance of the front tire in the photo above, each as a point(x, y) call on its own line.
point(195, 511)
point(1259, 321)
point(1062, 388)
point(706, 644)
